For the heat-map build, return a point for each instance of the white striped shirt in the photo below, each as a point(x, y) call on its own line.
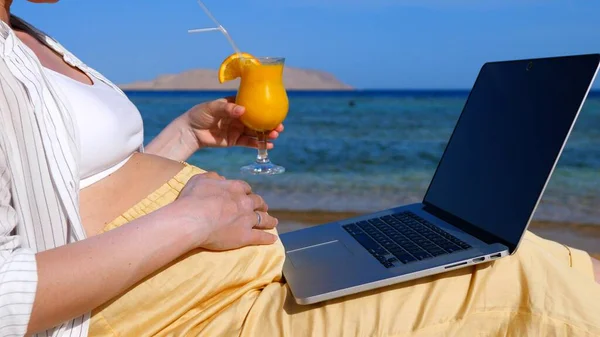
point(39, 176)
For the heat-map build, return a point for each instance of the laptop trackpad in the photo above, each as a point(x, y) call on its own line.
point(318, 254)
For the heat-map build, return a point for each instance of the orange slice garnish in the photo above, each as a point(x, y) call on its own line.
point(231, 68)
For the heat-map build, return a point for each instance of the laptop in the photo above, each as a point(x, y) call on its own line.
point(483, 194)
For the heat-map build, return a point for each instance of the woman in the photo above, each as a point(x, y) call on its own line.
point(153, 246)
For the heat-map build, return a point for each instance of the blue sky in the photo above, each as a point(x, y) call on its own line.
point(365, 43)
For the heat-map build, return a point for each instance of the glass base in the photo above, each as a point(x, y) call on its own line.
point(262, 168)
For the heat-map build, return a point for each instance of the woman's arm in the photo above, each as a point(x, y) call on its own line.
point(79, 277)
point(76, 278)
point(209, 124)
point(176, 142)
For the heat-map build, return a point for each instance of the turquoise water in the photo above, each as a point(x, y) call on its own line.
point(378, 153)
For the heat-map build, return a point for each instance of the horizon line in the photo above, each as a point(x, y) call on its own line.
point(349, 90)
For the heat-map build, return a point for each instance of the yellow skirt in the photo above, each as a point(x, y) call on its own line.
point(545, 289)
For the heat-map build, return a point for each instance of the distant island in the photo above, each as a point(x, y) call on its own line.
point(206, 79)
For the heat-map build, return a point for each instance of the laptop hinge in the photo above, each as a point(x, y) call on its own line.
point(465, 226)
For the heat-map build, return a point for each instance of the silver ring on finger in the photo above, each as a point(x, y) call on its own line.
point(258, 219)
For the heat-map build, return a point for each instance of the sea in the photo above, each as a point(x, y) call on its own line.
point(368, 150)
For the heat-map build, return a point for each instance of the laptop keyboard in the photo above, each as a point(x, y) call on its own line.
point(403, 238)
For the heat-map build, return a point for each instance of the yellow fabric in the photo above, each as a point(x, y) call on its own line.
point(545, 289)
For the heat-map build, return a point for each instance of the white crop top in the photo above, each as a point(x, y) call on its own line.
point(110, 126)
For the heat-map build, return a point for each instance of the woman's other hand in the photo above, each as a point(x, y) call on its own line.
point(224, 214)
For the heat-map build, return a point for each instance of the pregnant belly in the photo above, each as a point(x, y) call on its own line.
point(105, 200)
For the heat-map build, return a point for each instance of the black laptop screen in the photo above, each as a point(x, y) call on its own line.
point(506, 141)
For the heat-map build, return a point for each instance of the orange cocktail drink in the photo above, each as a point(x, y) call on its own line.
point(262, 93)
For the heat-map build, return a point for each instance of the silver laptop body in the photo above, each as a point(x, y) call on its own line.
point(488, 183)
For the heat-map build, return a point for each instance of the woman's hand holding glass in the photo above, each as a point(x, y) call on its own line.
point(218, 124)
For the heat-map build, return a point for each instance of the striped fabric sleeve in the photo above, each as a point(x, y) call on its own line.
point(18, 268)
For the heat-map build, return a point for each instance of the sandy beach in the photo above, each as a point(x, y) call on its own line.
point(582, 236)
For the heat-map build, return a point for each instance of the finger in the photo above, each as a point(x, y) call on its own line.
point(247, 141)
point(272, 134)
point(223, 107)
point(240, 186)
point(266, 221)
point(260, 237)
point(258, 202)
point(250, 203)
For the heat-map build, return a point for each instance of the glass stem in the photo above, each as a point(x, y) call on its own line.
point(262, 157)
